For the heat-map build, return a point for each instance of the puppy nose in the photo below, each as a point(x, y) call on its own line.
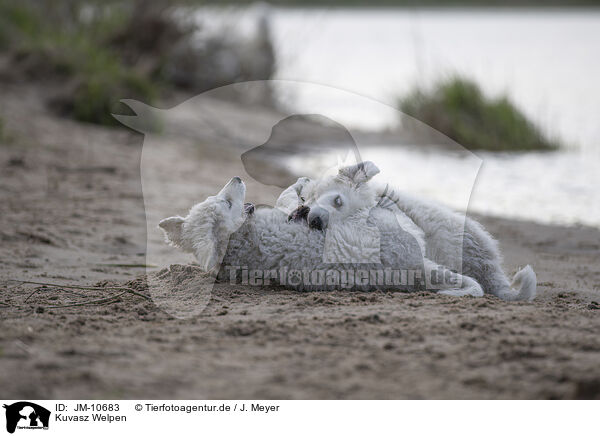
point(318, 218)
point(316, 223)
point(236, 179)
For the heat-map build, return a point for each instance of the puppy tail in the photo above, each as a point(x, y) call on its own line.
point(522, 286)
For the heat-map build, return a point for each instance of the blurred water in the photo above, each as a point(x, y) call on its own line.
point(546, 60)
point(552, 188)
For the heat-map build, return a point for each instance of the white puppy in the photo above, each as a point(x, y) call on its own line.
point(230, 238)
point(447, 238)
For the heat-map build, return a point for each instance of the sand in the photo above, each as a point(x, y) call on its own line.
point(72, 212)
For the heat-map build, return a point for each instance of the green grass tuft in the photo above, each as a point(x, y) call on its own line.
point(16, 20)
point(89, 55)
point(72, 50)
point(97, 96)
point(457, 108)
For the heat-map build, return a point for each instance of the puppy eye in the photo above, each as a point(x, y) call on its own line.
point(228, 203)
point(302, 199)
point(337, 202)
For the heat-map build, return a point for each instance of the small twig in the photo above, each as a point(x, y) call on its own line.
point(31, 295)
point(139, 294)
point(110, 299)
point(64, 290)
point(129, 265)
point(23, 346)
point(57, 285)
point(88, 288)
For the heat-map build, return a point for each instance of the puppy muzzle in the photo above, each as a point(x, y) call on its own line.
point(318, 218)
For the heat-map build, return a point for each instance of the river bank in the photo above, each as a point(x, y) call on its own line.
point(72, 212)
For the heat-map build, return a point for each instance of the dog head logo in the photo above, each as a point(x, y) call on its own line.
point(26, 415)
point(268, 150)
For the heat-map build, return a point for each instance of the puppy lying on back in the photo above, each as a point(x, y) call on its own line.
point(446, 237)
point(229, 237)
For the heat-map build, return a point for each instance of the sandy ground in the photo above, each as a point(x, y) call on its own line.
point(72, 212)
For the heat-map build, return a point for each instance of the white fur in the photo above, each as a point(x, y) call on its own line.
point(368, 239)
point(447, 238)
point(292, 197)
point(208, 222)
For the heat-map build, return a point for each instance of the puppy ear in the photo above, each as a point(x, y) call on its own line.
point(206, 255)
point(172, 227)
point(300, 184)
point(290, 199)
point(360, 173)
